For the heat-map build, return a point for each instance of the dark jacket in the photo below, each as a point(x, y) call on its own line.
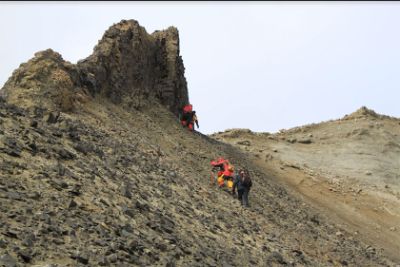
point(237, 182)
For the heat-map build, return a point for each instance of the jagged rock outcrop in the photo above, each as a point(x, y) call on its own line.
point(128, 66)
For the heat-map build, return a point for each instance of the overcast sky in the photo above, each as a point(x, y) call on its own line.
point(264, 66)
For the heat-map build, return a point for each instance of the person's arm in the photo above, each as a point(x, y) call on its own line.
point(196, 121)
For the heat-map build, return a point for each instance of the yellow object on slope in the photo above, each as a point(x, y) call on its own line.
point(230, 184)
point(220, 181)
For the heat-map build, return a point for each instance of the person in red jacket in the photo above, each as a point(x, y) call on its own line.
point(186, 115)
point(225, 170)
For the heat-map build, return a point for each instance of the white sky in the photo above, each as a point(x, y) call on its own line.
point(260, 65)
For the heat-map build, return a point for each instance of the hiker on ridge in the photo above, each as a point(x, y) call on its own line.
point(243, 183)
point(188, 117)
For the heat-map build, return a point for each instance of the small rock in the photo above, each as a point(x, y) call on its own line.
point(3, 244)
point(128, 211)
point(305, 141)
point(11, 233)
point(244, 143)
point(29, 240)
point(72, 204)
point(65, 154)
point(339, 234)
point(34, 124)
point(84, 147)
point(14, 196)
point(103, 261)
point(275, 257)
point(33, 195)
point(7, 261)
point(126, 190)
point(53, 117)
point(314, 219)
point(25, 255)
point(82, 258)
point(112, 258)
point(58, 184)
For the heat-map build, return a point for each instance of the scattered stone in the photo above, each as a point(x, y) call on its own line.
point(11, 233)
point(53, 117)
point(244, 143)
point(305, 141)
point(275, 257)
point(7, 260)
point(26, 255)
point(65, 154)
point(29, 240)
point(3, 243)
point(84, 147)
point(82, 258)
point(72, 204)
point(126, 189)
point(112, 258)
point(58, 184)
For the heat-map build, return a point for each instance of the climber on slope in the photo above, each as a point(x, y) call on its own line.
point(243, 183)
point(185, 115)
point(225, 172)
point(188, 117)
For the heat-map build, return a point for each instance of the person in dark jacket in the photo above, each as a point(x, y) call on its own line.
point(243, 183)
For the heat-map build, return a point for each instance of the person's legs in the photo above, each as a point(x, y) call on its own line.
point(240, 196)
point(246, 197)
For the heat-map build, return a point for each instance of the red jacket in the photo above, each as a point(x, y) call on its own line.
point(224, 165)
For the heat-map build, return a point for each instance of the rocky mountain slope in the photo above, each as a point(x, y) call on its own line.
point(348, 168)
point(95, 170)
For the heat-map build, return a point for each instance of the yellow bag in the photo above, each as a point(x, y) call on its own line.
point(220, 181)
point(230, 184)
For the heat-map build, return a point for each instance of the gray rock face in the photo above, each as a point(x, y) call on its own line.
point(128, 66)
point(128, 63)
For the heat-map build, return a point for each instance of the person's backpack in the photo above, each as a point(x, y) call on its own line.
point(246, 180)
point(187, 108)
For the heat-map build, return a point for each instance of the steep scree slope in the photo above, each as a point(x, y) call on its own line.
point(88, 178)
point(111, 187)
